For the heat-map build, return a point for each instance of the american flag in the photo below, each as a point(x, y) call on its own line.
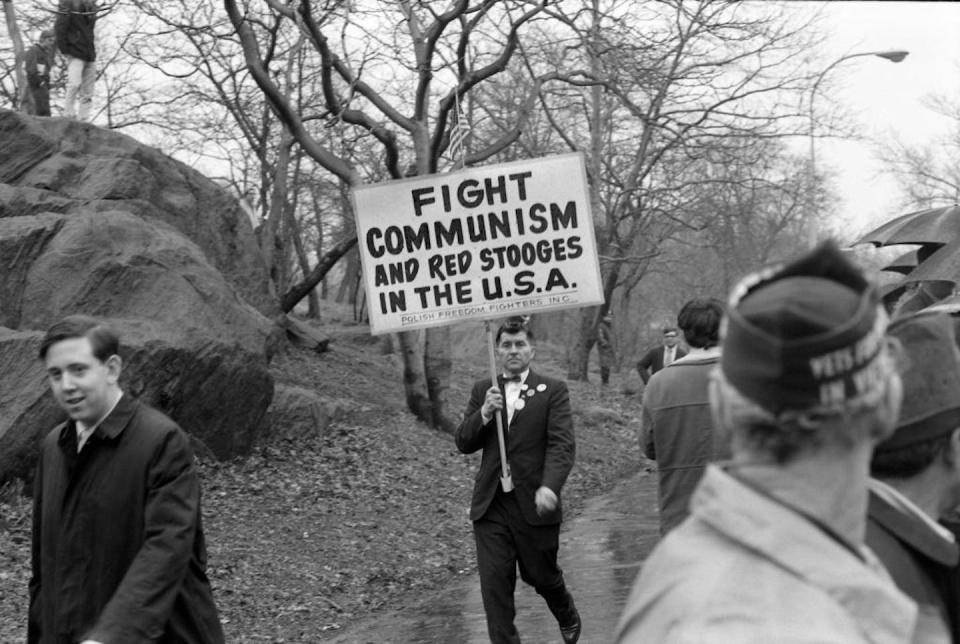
point(459, 130)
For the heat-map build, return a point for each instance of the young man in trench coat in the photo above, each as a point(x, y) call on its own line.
point(118, 549)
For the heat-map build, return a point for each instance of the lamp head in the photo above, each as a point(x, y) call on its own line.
point(893, 56)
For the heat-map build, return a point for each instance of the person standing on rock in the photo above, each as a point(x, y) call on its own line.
point(520, 526)
point(118, 550)
point(773, 549)
point(75, 40)
point(677, 426)
point(37, 64)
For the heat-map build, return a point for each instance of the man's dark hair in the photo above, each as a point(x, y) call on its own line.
point(103, 340)
point(908, 461)
point(700, 321)
point(514, 325)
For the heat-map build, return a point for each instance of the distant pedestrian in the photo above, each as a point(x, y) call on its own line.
point(520, 526)
point(659, 357)
point(37, 64)
point(773, 549)
point(917, 476)
point(75, 40)
point(605, 348)
point(118, 548)
point(677, 425)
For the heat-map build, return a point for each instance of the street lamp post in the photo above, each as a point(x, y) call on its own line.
point(894, 56)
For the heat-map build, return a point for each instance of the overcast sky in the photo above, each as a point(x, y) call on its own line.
point(885, 97)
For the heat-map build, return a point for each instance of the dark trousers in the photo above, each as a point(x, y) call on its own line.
point(37, 101)
point(505, 541)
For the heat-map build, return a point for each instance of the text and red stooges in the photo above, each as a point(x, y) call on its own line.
point(509, 239)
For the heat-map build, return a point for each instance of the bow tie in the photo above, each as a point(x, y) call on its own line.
point(505, 379)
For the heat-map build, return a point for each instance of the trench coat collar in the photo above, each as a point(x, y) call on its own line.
point(110, 427)
point(912, 531)
point(862, 586)
point(117, 420)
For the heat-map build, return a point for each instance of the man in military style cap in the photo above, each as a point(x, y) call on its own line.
point(773, 549)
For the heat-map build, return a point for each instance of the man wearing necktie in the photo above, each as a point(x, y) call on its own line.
point(659, 357)
point(520, 528)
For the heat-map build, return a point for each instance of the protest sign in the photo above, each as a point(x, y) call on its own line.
point(508, 239)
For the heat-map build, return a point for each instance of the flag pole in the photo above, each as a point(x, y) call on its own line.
point(506, 480)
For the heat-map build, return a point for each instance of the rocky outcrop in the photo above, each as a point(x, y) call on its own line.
point(63, 166)
point(93, 222)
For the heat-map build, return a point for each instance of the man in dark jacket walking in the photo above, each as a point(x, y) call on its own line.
point(118, 549)
point(37, 63)
point(917, 477)
point(75, 40)
point(516, 520)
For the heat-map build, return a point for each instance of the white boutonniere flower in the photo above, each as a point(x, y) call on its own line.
point(520, 404)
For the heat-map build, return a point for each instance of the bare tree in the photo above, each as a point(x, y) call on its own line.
point(929, 174)
point(379, 63)
point(660, 86)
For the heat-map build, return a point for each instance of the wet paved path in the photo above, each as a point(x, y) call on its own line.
point(600, 553)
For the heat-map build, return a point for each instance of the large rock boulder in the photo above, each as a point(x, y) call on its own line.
point(93, 222)
point(64, 166)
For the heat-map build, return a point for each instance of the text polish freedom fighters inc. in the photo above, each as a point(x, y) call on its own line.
point(477, 243)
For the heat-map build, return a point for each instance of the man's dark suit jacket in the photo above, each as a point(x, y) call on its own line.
point(653, 360)
point(540, 446)
point(922, 565)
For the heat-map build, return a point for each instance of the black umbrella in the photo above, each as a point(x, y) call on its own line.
point(933, 226)
point(903, 264)
point(941, 265)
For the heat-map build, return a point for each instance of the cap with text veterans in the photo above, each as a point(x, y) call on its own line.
point(804, 334)
point(931, 381)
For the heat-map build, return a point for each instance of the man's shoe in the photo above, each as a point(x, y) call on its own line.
point(571, 634)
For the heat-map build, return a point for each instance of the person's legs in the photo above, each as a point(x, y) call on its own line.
point(85, 94)
point(537, 548)
point(497, 564)
point(41, 98)
point(604, 375)
point(75, 68)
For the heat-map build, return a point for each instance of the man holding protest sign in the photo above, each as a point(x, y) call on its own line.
point(520, 525)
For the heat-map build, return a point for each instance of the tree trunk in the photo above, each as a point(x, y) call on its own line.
point(298, 291)
point(580, 355)
point(269, 238)
point(438, 366)
point(589, 320)
point(414, 376)
point(313, 302)
point(347, 291)
point(10, 14)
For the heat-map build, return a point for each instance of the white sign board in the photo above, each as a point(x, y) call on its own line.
point(502, 240)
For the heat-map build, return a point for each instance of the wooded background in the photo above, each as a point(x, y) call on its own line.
point(688, 113)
